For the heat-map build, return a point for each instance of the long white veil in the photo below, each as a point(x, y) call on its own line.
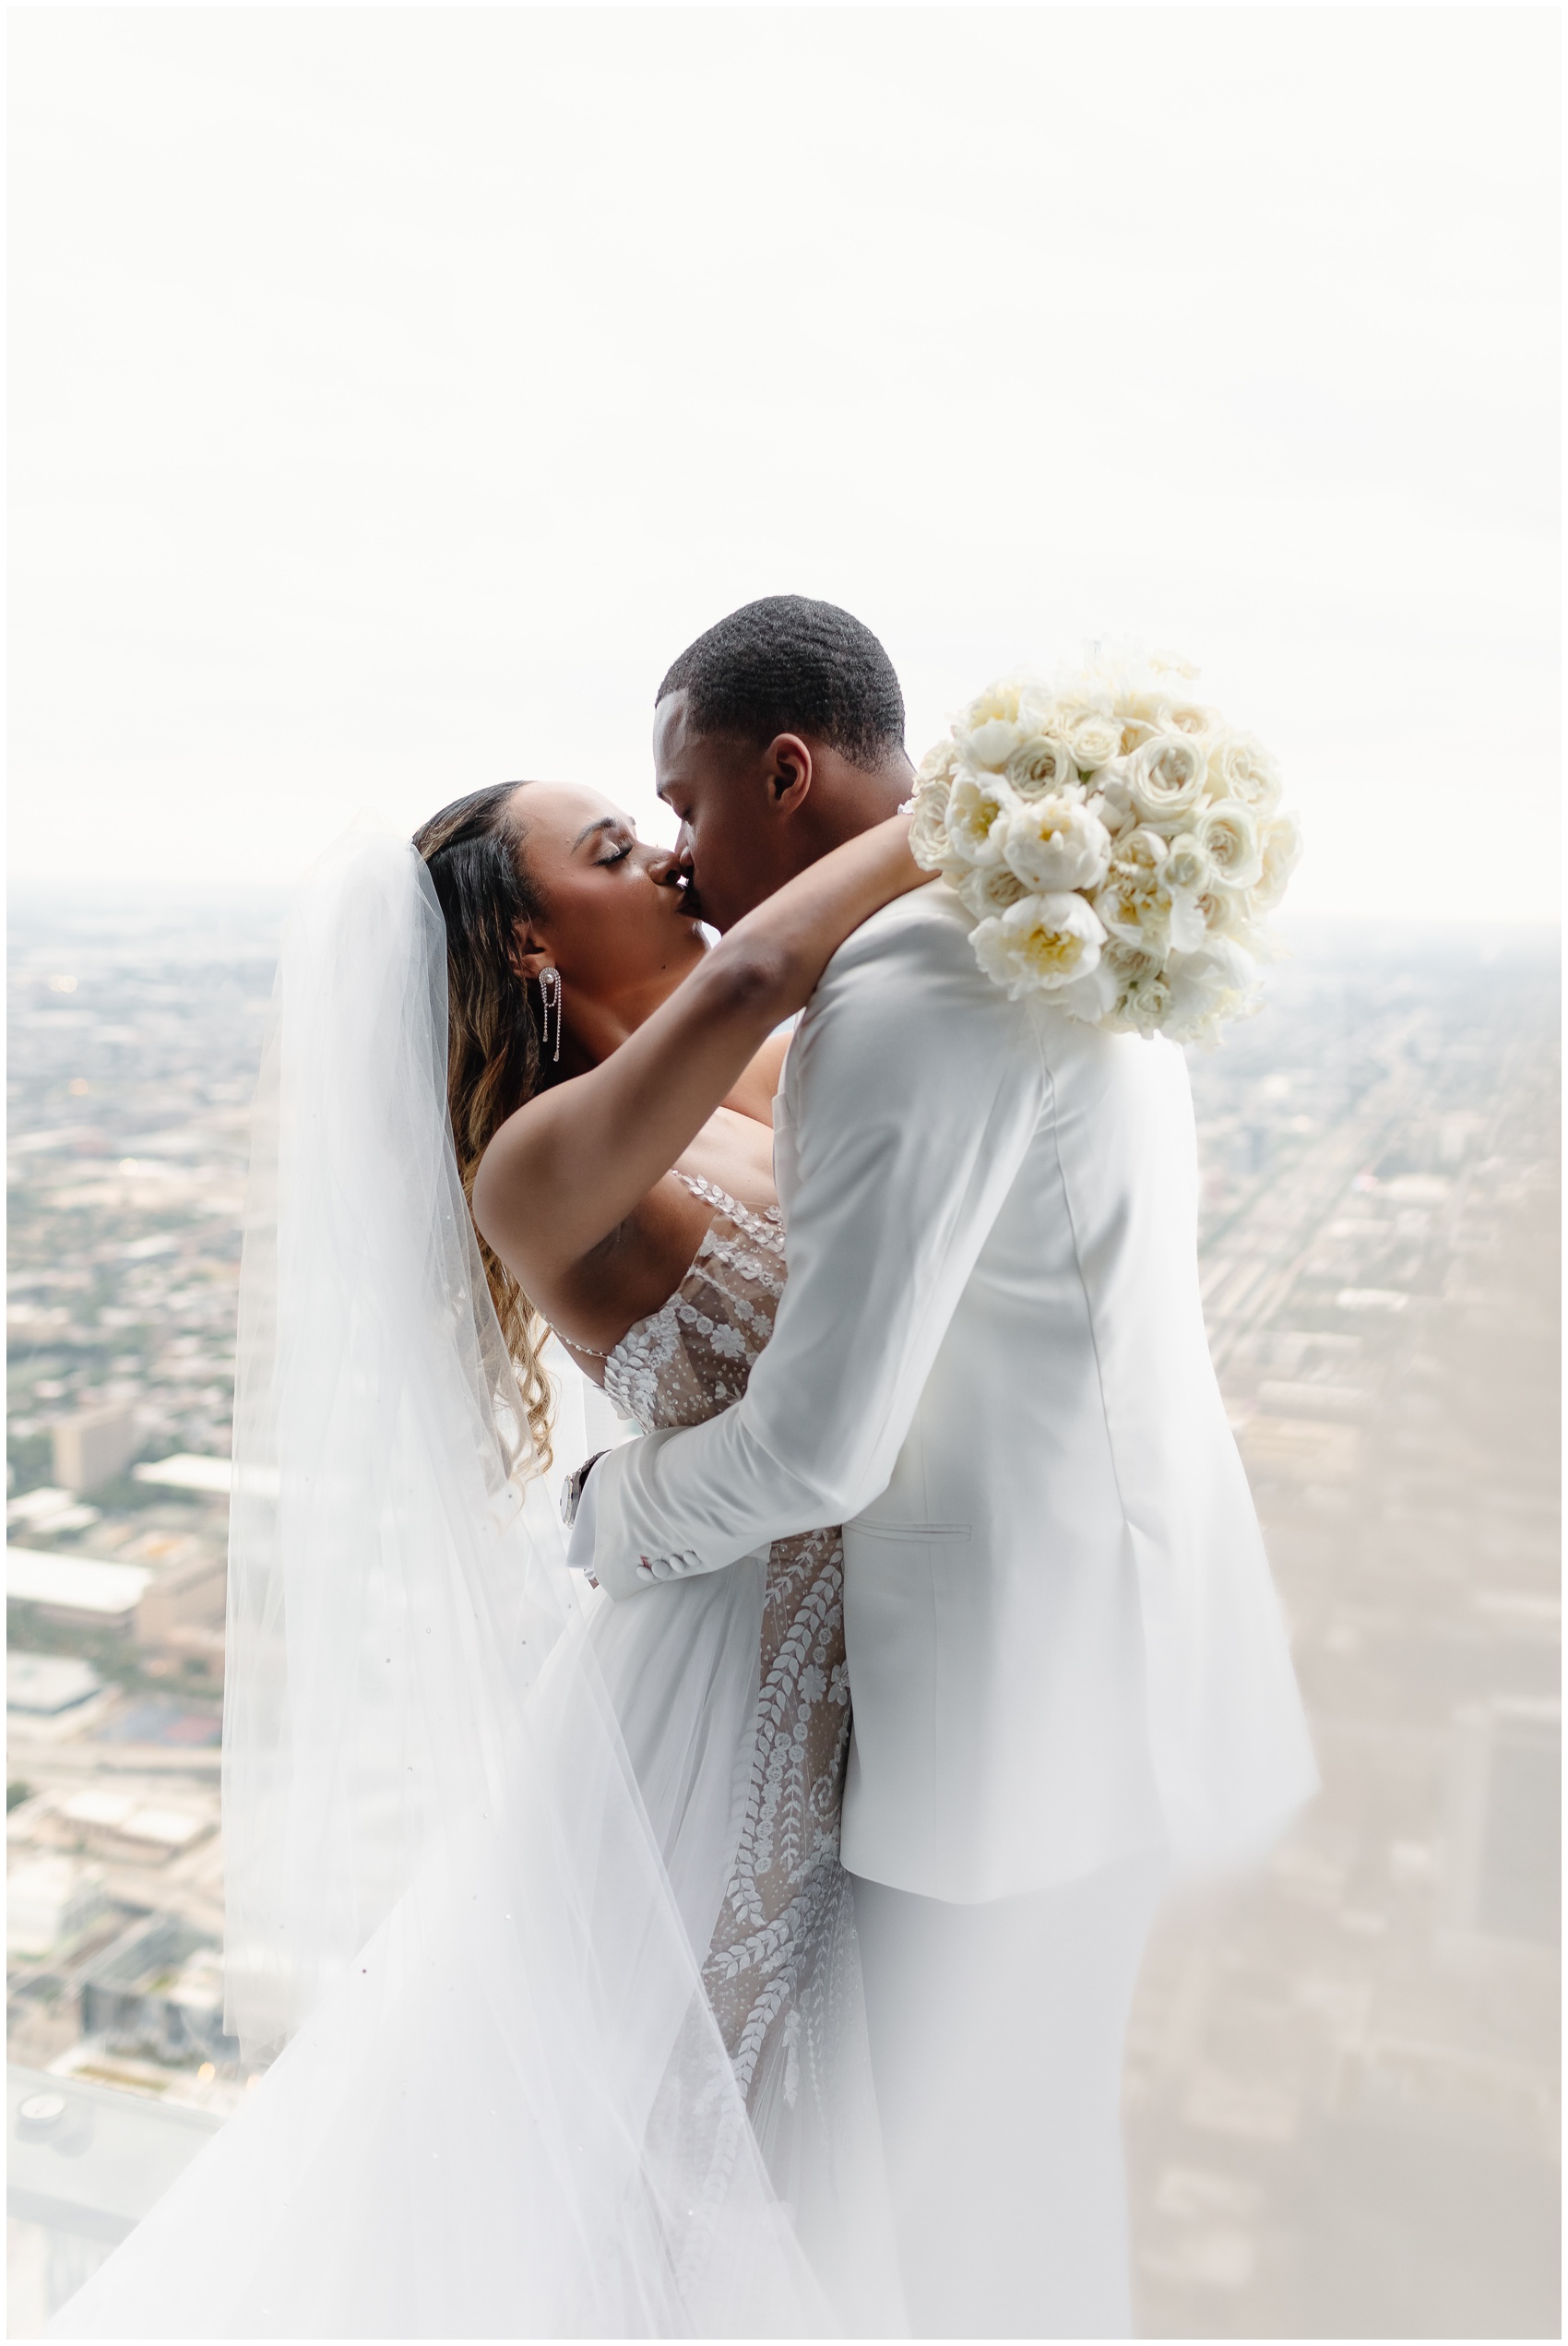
point(389, 1606)
point(502, 2107)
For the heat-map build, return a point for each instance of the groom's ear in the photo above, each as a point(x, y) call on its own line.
point(787, 772)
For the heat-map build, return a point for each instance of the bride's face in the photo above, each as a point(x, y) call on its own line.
point(614, 923)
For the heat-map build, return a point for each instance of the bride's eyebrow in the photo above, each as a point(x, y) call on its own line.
point(605, 823)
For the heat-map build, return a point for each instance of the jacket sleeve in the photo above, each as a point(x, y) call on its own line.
point(916, 1090)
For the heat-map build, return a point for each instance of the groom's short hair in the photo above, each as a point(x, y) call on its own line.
point(790, 665)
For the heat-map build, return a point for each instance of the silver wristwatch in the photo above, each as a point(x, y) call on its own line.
point(572, 1489)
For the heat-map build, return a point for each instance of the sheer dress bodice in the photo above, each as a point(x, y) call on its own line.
point(770, 1970)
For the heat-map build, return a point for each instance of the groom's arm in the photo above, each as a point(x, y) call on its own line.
point(917, 1090)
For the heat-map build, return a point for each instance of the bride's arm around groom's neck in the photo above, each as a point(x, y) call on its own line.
point(912, 1093)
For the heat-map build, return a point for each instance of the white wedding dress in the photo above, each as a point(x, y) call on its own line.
point(539, 1897)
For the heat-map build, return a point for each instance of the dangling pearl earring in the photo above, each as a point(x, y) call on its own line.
point(549, 992)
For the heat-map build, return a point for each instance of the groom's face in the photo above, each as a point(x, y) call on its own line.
point(734, 801)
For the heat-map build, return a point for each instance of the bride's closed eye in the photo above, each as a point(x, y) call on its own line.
point(617, 854)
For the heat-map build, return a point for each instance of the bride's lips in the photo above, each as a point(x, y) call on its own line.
point(690, 904)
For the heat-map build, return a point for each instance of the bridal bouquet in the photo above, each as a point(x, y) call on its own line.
point(1118, 845)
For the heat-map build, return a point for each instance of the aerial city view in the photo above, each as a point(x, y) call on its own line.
point(1340, 2093)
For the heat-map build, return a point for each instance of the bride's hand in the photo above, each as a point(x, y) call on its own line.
point(795, 932)
point(884, 854)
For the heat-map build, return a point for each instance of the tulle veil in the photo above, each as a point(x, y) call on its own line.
point(499, 2104)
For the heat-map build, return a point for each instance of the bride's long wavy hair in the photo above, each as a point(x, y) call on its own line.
point(473, 855)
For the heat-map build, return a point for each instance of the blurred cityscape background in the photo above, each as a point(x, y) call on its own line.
point(1341, 2091)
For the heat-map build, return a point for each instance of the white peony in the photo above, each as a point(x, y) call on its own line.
point(1140, 853)
point(1136, 731)
point(979, 810)
point(1111, 799)
point(1093, 996)
point(1041, 944)
point(1229, 837)
point(1186, 875)
point(989, 887)
point(1136, 910)
point(989, 747)
point(1042, 763)
point(1000, 699)
point(990, 729)
point(1185, 925)
point(1239, 768)
point(1055, 842)
point(1204, 989)
point(1166, 776)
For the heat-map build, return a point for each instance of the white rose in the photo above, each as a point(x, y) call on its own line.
point(1190, 717)
point(928, 829)
point(1128, 963)
point(1042, 763)
point(1146, 1002)
point(1094, 735)
point(1227, 913)
point(1187, 868)
point(1166, 776)
point(989, 887)
point(977, 813)
point(1228, 833)
point(1241, 768)
point(1041, 944)
point(1055, 843)
point(1281, 851)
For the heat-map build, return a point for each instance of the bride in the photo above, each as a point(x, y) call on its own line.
point(536, 1901)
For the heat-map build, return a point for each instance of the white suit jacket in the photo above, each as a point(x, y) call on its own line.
point(990, 1365)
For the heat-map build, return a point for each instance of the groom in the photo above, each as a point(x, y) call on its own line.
point(1067, 1664)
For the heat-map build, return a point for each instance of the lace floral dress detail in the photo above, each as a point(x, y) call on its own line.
point(786, 1910)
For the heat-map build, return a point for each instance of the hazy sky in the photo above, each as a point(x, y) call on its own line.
point(394, 391)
